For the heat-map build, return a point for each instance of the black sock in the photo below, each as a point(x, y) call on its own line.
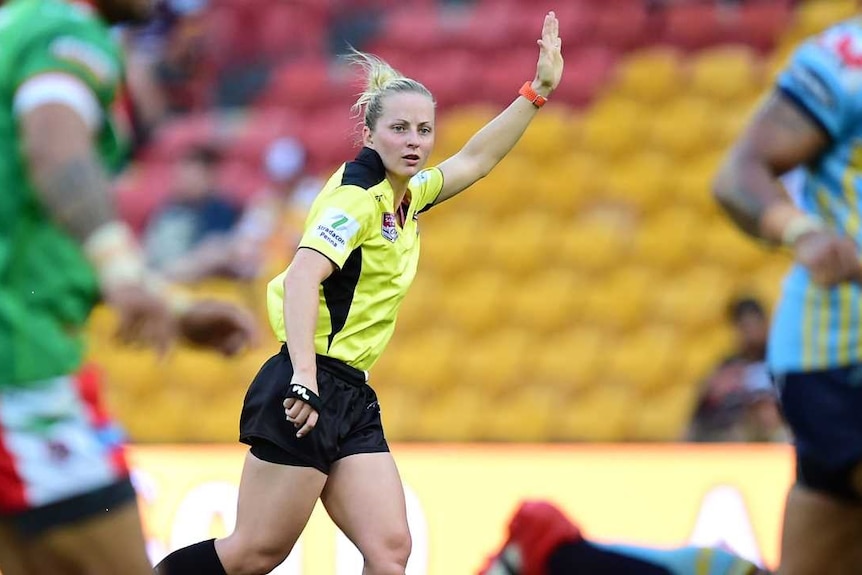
point(584, 558)
point(198, 559)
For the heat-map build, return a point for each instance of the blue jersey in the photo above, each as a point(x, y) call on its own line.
point(816, 328)
point(687, 560)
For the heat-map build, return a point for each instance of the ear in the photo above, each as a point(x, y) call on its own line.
point(367, 139)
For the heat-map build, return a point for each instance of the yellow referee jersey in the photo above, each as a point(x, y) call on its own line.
point(352, 223)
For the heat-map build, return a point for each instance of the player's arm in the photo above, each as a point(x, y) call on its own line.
point(490, 144)
point(780, 137)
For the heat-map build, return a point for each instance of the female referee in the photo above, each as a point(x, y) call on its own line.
point(311, 419)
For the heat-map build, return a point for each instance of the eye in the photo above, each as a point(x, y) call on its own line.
point(398, 128)
point(425, 130)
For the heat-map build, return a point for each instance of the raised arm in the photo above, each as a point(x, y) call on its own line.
point(490, 144)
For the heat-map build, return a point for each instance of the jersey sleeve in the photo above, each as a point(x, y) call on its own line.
point(822, 79)
point(425, 187)
point(74, 50)
point(339, 221)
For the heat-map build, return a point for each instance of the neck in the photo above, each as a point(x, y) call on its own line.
point(399, 187)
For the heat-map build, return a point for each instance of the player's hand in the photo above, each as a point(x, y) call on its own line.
point(300, 413)
point(218, 325)
point(830, 258)
point(145, 318)
point(549, 69)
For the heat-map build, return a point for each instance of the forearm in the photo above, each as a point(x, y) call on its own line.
point(490, 144)
point(76, 193)
point(751, 194)
point(300, 322)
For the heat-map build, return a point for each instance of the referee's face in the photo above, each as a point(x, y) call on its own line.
point(404, 133)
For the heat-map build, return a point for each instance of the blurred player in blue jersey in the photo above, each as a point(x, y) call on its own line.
point(543, 541)
point(813, 121)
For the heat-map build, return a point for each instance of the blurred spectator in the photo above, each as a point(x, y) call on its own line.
point(737, 401)
point(177, 235)
point(266, 237)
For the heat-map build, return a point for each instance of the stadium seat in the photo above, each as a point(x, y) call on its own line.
point(622, 24)
point(813, 17)
point(499, 83)
point(452, 416)
point(550, 134)
point(496, 360)
point(416, 30)
point(643, 359)
point(599, 414)
point(621, 301)
point(567, 361)
point(760, 24)
point(651, 75)
point(141, 190)
point(425, 362)
point(725, 74)
point(567, 184)
point(588, 71)
point(693, 299)
point(476, 306)
point(684, 128)
point(613, 128)
point(285, 29)
point(724, 245)
point(666, 240)
point(594, 245)
point(523, 414)
point(640, 181)
point(545, 301)
point(663, 416)
point(689, 184)
point(452, 243)
point(525, 244)
point(457, 125)
point(693, 25)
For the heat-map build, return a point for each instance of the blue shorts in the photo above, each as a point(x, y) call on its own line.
point(824, 412)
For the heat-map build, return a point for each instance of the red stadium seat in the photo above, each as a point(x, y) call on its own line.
point(691, 25)
point(141, 191)
point(587, 71)
point(285, 29)
point(298, 84)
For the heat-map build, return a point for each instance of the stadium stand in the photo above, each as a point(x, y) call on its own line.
point(584, 295)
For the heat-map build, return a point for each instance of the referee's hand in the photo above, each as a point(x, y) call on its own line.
point(300, 414)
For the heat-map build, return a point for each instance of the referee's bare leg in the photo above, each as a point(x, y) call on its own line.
point(365, 498)
point(275, 503)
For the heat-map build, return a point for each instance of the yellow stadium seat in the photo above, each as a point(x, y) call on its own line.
point(815, 16)
point(639, 182)
point(452, 243)
point(684, 128)
point(477, 305)
point(221, 423)
point(548, 135)
point(725, 74)
point(495, 361)
point(695, 299)
point(458, 125)
point(567, 361)
point(598, 414)
point(425, 361)
point(642, 360)
point(666, 240)
point(595, 243)
point(652, 75)
point(620, 301)
point(523, 414)
point(162, 417)
point(523, 242)
point(690, 183)
point(724, 245)
point(398, 409)
point(613, 128)
point(419, 307)
point(454, 415)
point(566, 185)
point(201, 372)
point(546, 301)
point(663, 416)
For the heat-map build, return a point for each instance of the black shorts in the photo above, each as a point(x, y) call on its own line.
point(349, 423)
point(824, 412)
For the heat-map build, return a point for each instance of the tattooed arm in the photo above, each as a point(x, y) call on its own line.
point(779, 138)
point(65, 170)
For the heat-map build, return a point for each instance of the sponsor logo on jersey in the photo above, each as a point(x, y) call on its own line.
point(336, 228)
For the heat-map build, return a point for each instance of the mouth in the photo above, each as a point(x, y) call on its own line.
point(411, 158)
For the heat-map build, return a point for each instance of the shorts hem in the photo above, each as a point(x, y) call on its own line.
point(364, 452)
point(303, 460)
point(37, 520)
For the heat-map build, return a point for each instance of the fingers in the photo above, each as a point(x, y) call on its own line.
point(301, 415)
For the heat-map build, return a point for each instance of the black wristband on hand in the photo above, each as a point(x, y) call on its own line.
point(299, 391)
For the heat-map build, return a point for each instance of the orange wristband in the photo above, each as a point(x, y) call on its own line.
point(536, 99)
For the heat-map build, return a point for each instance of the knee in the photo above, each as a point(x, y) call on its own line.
point(242, 556)
point(389, 557)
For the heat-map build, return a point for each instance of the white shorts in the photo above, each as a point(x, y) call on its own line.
point(56, 443)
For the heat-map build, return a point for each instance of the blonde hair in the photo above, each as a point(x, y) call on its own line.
point(381, 79)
